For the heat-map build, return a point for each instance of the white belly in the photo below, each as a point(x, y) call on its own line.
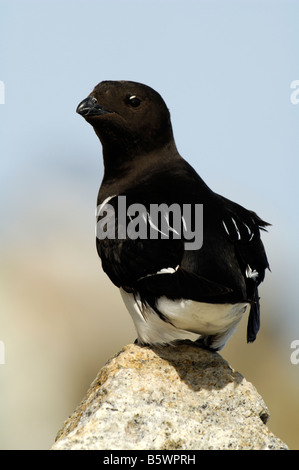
point(188, 320)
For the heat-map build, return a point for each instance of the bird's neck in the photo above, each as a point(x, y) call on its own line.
point(124, 166)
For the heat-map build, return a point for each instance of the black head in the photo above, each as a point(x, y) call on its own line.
point(128, 116)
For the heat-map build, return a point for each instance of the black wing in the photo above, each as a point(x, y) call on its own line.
point(243, 230)
point(144, 264)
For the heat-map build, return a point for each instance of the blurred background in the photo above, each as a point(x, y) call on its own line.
point(224, 69)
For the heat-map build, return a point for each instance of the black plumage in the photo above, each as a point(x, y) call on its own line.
point(142, 163)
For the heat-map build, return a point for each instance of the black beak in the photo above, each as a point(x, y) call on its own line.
point(90, 107)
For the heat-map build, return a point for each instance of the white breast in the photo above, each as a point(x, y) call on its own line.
point(188, 320)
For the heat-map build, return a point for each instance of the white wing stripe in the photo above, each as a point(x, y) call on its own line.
point(237, 229)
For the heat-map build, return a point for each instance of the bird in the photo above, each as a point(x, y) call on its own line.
point(174, 290)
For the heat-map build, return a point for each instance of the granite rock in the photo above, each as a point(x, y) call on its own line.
point(171, 398)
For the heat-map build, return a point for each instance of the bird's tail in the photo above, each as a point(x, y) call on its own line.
point(253, 325)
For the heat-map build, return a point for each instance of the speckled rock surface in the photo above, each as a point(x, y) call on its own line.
point(176, 397)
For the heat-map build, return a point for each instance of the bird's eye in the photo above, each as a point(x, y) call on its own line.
point(134, 101)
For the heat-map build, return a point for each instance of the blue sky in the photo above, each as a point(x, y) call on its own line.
point(224, 68)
